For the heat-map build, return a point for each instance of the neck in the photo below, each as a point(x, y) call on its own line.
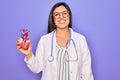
point(62, 31)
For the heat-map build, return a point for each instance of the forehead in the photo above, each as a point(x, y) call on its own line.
point(60, 9)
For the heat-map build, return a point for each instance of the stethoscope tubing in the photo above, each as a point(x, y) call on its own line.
point(51, 57)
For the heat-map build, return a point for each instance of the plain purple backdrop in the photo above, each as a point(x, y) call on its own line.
point(99, 21)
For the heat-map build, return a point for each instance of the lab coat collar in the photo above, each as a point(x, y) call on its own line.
point(71, 55)
point(54, 35)
point(71, 33)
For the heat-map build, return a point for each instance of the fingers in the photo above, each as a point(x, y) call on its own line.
point(28, 41)
point(20, 44)
point(24, 47)
point(19, 41)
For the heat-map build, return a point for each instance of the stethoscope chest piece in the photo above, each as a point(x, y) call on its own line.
point(51, 58)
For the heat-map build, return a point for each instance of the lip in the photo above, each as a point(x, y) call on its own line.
point(62, 21)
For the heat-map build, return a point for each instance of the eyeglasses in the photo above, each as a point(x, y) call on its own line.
point(58, 14)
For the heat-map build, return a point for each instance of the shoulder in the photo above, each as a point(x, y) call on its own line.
point(80, 39)
point(77, 36)
point(46, 37)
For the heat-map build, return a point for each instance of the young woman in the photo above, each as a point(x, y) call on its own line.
point(62, 54)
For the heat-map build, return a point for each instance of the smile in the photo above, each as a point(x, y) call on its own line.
point(61, 21)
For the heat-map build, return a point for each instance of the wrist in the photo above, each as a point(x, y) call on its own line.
point(28, 56)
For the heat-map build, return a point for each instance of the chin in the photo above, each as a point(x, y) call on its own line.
point(62, 27)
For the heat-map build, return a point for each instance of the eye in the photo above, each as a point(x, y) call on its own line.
point(65, 13)
point(56, 14)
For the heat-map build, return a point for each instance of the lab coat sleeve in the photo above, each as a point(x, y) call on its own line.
point(86, 71)
point(35, 63)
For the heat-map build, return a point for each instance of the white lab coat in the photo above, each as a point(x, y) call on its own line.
point(80, 69)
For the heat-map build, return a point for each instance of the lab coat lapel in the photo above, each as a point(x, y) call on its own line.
point(54, 51)
point(73, 56)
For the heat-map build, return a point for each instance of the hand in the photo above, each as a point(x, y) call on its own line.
point(24, 47)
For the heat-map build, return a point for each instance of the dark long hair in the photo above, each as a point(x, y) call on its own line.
point(51, 24)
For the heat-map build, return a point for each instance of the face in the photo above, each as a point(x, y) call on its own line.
point(61, 17)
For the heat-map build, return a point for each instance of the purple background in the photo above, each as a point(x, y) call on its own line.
point(99, 21)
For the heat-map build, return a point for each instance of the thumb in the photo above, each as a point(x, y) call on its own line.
point(28, 42)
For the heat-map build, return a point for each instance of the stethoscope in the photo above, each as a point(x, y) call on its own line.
point(51, 57)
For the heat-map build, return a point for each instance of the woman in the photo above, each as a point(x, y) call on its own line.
point(62, 54)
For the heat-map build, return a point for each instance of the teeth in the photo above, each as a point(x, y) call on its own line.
point(62, 21)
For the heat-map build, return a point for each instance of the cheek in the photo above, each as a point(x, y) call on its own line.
point(55, 21)
point(68, 20)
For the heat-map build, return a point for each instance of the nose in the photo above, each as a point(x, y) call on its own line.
point(61, 15)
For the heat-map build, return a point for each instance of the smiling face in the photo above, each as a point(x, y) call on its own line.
point(61, 17)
